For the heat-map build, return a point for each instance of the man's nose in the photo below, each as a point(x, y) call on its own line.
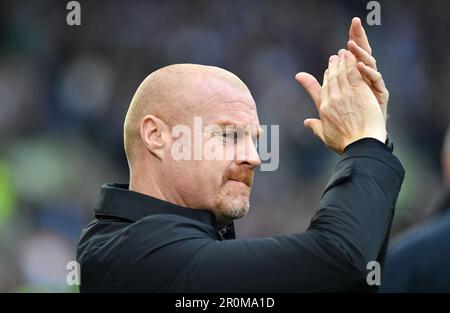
point(248, 154)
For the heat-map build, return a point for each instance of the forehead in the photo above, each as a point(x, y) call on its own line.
point(224, 101)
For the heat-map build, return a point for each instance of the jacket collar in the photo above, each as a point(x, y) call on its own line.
point(118, 201)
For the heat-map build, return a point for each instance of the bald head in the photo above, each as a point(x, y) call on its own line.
point(173, 94)
point(178, 97)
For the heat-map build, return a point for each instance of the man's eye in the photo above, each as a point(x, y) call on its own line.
point(229, 137)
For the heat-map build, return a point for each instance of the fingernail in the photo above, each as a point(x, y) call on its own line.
point(341, 52)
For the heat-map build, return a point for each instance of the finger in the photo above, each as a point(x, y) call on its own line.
point(375, 77)
point(311, 85)
point(342, 72)
point(361, 54)
point(333, 85)
point(324, 93)
point(377, 84)
point(316, 126)
point(358, 35)
point(353, 75)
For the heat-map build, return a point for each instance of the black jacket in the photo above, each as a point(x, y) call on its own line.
point(141, 244)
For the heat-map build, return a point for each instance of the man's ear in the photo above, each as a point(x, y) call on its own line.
point(154, 135)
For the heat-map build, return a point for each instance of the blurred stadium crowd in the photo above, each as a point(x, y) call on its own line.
point(64, 92)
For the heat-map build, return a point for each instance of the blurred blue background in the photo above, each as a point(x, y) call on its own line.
point(64, 92)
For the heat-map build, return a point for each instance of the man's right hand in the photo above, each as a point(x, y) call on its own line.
point(348, 109)
point(358, 44)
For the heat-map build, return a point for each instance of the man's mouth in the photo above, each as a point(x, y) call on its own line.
point(243, 176)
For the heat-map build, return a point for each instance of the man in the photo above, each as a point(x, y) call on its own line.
point(420, 262)
point(171, 229)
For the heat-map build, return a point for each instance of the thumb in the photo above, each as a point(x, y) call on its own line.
point(316, 126)
point(311, 85)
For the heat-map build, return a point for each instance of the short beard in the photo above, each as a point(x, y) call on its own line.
point(230, 207)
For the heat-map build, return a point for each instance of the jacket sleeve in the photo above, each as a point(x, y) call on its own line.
point(349, 230)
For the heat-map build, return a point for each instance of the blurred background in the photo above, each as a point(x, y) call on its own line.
point(64, 92)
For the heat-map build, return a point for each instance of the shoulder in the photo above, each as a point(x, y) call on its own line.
point(145, 255)
point(429, 236)
point(169, 225)
point(421, 259)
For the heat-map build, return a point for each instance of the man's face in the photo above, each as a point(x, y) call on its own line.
point(221, 181)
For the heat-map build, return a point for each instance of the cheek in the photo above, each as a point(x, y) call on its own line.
point(215, 171)
point(200, 175)
point(182, 174)
point(208, 176)
point(202, 178)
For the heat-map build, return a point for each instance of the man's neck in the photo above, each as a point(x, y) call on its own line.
point(151, 186)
